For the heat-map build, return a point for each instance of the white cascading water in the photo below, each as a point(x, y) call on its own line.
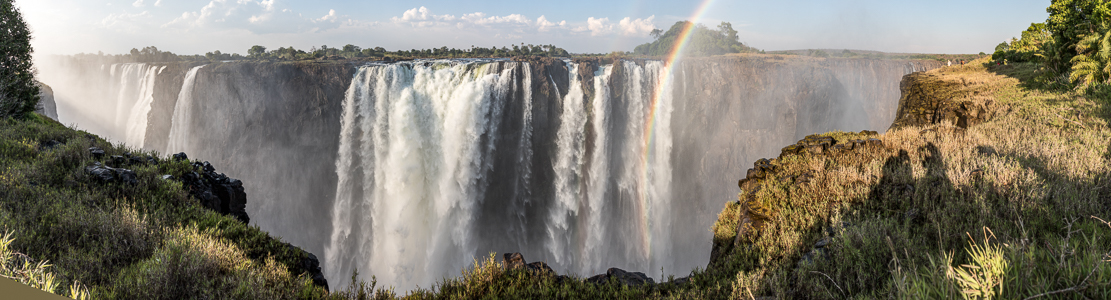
point(570, 159)
point(418, 138)
point(134, 84)
point(181, 123)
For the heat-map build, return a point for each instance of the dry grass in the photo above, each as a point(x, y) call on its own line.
point(895, 221)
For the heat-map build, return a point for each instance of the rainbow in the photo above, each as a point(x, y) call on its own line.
point(649, 129)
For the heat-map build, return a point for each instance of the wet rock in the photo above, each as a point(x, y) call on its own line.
point(96, 152)
point(622, 277)
point(874, 142)
point(513, 260)
point(168, 177)
point(111, 175)
point(181, 157)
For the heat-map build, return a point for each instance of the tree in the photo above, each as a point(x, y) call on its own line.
point(18, 92)
point(1092, 63)
point(256, 51)
point(656, 33)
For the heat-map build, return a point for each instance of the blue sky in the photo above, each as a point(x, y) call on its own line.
point(196, 27)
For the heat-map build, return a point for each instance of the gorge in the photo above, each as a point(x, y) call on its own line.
point(408, 171)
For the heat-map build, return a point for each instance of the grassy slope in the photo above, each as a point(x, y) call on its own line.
point(121, 241)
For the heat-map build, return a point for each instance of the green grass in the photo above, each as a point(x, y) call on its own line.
point(148, 240)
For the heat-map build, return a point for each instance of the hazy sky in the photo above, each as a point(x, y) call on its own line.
point(232, 26)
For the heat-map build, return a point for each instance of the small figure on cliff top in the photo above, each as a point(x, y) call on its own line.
point(962, 62)
point(949, 63)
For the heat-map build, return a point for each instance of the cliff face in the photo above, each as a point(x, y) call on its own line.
point(272, 125)
point(738, 109)
point(582, 164)
point(46, 105)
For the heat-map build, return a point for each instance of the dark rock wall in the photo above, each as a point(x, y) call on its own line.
point(275, 126)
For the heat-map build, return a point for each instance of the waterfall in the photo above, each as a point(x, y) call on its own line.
point(181, 124)
point(137, 121)
point(571, 148)
point(416, 141)
point(134, 92)
point(440, 162)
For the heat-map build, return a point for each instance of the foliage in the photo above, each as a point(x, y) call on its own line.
point(1092, 63)
point(1069, 21)
point(1029, 48)
point(18, 92)
point(20, 267)
point(147, 240)
point(703, 41)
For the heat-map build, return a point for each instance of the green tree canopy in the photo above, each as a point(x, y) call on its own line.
point(703, 40)
point(18, 92)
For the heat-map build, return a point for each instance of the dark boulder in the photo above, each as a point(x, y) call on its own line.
point(110, 175)
point(513, 260)
point(215, 191)
point(96, 152)
point(181, 157)
point(622, 276)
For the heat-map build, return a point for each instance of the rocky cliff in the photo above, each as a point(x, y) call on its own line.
point(277, 126)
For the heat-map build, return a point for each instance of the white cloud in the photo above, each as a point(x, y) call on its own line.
point(543, 25)
point(138, 3)
point(255, 16)
point(637, 27)
point(517, 24)
point(330, 17)
point(129, 23)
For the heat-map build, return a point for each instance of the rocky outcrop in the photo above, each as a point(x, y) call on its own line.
point(215, 191)
point(752, 216)
point(622, 277)
point(932, 98)
point(516, 261)
point(46, 105)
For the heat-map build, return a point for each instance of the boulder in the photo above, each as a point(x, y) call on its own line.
point(111, 175)
point(513, 260)
point(96, 152)
point(215, 191)
point(181, 157)
point(622, 276)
